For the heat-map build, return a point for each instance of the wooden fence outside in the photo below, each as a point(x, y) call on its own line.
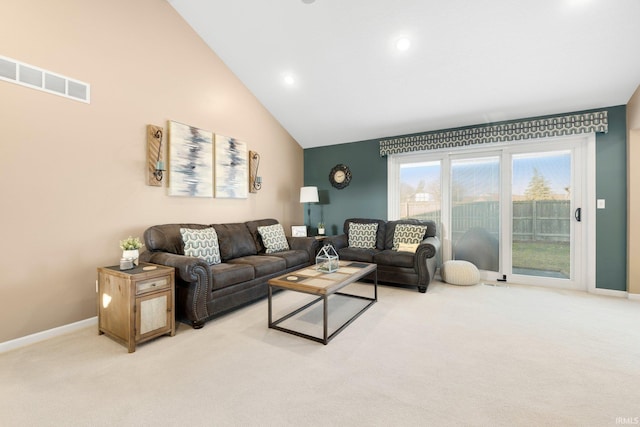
point(533, 220)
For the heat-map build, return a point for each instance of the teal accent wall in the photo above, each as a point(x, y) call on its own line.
point(366, 196)
point(611, 185)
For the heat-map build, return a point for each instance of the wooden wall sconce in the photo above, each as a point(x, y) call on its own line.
point(255, 181)
point(155, 156)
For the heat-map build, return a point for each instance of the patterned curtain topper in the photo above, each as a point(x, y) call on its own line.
point(574, 124)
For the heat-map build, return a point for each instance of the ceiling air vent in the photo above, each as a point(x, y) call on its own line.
point(37, 78)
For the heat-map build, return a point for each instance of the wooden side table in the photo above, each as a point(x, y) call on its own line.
point(136, 305)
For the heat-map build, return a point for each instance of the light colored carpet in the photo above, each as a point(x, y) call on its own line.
point(474, 356)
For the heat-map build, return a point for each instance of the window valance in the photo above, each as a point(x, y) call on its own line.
point(573, 124)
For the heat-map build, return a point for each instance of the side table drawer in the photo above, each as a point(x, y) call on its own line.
point(152, 285)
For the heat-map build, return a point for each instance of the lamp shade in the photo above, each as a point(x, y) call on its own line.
point(309, 195)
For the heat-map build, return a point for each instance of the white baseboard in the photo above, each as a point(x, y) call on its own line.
point(609, 292)
point(635, 297)
point(45, 335)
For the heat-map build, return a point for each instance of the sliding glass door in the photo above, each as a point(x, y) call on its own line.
point(515, 211)
point(541, 211)
point(548, 211)
point(475, 210)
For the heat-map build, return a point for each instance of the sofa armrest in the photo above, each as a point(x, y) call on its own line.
point(338, 242)
point(308, 244)
point(195, 272)
point(426, 261)
point(428, 248)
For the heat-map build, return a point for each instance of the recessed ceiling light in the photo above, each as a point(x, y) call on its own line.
point(403, 44)
point(288, 79)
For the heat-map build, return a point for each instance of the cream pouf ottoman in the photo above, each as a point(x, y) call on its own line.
point(461, 273)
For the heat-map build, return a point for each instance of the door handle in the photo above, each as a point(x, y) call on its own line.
point(578, 214)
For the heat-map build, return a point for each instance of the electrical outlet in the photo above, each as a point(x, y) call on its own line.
point(601, 204)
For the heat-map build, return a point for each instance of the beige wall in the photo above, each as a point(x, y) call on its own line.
point(72, 175)
point(633, 191)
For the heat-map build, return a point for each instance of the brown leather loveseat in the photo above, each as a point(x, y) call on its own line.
point(406, 251)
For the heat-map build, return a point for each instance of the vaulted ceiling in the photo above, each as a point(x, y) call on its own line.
point(330, 71)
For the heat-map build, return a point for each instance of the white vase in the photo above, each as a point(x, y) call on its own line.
point(321, 231)
point(132, 253)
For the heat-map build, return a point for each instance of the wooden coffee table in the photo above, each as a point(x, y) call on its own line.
point(310, 281)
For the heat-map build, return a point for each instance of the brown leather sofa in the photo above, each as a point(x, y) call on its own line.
point(204, 291)
point(394, 266)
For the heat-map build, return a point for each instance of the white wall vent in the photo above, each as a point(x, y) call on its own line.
point(37, 78)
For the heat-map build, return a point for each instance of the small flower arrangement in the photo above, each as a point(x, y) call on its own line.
point(130, 243)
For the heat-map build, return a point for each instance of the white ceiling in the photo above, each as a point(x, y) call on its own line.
point(470, 61)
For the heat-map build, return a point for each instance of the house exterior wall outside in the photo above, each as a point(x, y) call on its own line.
point(633, 182)
point(72, 175)
point(366, 196)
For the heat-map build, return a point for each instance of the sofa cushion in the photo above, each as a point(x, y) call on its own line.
point(253, 229)
point(363, 235)
point(226, 274)
point(408, 233)
point(293, 258)
point(357, 254)
point(235, 241)
point(395, 258)
point(263, 265)
point(202, 243)
point(273, 238)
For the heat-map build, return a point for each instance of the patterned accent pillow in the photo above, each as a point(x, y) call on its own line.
point(273, 238)
point(363, 235)
point(201, 244)
point(408, 233)
point(408, 247)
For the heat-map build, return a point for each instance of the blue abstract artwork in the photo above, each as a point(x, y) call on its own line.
point(190, 161)
point(232, 172)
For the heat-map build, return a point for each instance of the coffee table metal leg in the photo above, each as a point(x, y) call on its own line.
point(375, 286)
point(270, 309)
point(325, 318)
point(274, 324)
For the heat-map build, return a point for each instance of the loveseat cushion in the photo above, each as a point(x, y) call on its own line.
point(235, 241)
point(395, 258)
point(357, 254)
point(201, 243)
point(363, 235)
point(226, 274)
